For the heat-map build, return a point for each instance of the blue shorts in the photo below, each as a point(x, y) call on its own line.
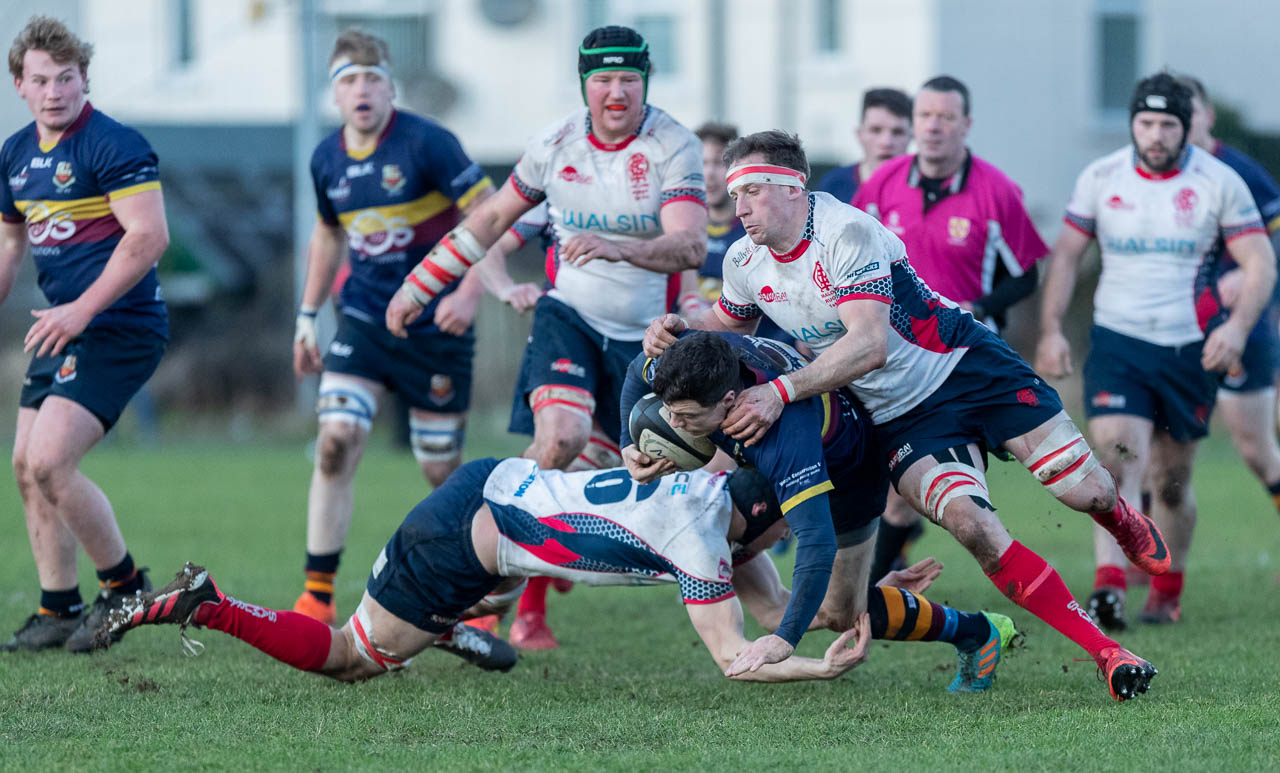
point(1166, 384)
point(431, 371)
point(428, 574)
point(992, 396)
point(1259, 363)
point(857, 470)
point(565, 351)
point(101, 369)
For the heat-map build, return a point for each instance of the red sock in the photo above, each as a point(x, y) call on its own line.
point(1107, 576)
point(1168, 584)
point(534, 598)
point(1110, 518)
point(1032, 584)
point(286, 636)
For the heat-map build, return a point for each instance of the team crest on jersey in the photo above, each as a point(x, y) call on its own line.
point(957, 230)
point(638, 175)
point(68, 370)
point(769, 295)
point(392, 178)
point(63, 177)
point(1184, 206)
point(441, 389)
point(569, 174)
point(823, 283)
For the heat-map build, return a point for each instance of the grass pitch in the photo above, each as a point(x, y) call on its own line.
point(631, 687)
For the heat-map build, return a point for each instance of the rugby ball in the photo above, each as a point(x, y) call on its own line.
point(653, 434)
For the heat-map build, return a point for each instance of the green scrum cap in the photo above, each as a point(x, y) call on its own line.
point(613, 48)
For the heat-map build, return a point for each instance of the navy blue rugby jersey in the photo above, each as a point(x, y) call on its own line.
point(63, 192)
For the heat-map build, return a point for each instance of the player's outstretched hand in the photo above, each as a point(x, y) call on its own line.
point(521, 297)
point(644, 468)
point(840, 657)
point(456, 311)
point(761, 652)
point(1222, 349)
point(1053, 356)
point(584, 248)
point(54, 328)
point(755, 410)
point(915, 578)
point(401, 313)
point(661, 334)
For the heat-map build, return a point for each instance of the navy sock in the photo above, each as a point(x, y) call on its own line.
point(124, 577)
point(890, 541)
point(322, 570)
point(61, 603)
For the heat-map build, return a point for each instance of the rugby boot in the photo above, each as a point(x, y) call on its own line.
point(175, 603)
point(316, 609)
point(479, 648)
point(82, 639)
point(976, 669)
point(42, 632)
point(487, 623)
point(531, 632)
point(1106, 608)
point(1140, 539)
point(1127, 674)
point(1161, 608)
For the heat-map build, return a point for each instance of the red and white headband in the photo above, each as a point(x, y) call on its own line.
point(745, 174)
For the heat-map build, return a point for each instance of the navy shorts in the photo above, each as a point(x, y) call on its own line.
point(101, 369)
point(431, 371)
point(992, 396)
point(1166, 384)
point(428, 574)
point(564, 350)
point(857, 470)
point(1259, 363)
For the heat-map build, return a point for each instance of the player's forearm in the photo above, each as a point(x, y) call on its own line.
point(670, 253)
point(853, 356)
point(1259, 267)
point(135, 255)
point(324, 257)
point(793, 669)
point(1059, 285)
point(11, 252)
point(815, 553)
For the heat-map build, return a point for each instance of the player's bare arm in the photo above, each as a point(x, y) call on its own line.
point(13, 245)
point(860, 351)
point(325, 252)
point(462, 248)
point(146, 235)
point(1257, 260)
point(493, 274)
point(1053, 353)
point(683, 244)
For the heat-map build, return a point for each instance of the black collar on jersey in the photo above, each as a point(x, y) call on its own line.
point(934, 189)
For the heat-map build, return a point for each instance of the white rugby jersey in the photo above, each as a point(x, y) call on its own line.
point(617, 191)
point(1159, 236)
point(844, 255)
point(602, 528)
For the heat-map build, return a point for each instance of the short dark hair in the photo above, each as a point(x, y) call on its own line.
point(945, 83)
point(722, 133)
point(1196, 86)
point(778, 148)
point(700, 367)
point(895, 101)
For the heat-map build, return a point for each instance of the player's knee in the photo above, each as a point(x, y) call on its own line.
point(1066, 466)
point(345, 663)
point(345, 410)
point(48, 473)
point(337, 444)
point(437, 444)
point(559, 444)
point(1171, 485)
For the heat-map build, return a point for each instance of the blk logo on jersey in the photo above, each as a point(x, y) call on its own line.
point(63, 177)
point(638, 175)
point(1184, 206)
point(823, 283)
point(769, 295)
point(569, 174)
point(392, 178)
point(68, 370)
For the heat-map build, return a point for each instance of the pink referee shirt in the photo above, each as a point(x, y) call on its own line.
point(976, 221)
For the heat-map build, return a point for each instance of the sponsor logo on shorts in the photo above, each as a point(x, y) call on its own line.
point(1028, 397)
point(1184, 206)
point(392, 178)
point(442, 620)
point(339, 349)
point(896, 457)
point(63, 177)
point(638, 175)
point(565, 365)
point(769, 295)
point(958, 230)
point(569, 174)
point(68, 370)
point(441, 389)
point(1108, 400)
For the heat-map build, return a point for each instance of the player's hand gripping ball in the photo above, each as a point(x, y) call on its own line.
point(653, 434)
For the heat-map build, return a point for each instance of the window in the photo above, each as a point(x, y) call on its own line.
point(827, 26)
point(1117, 30)
point(185, 40)
point(660, 33)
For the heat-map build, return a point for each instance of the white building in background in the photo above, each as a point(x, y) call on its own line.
point(1049, 79)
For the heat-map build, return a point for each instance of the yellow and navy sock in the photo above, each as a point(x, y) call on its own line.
point(61, 603)
point(905, 616)
point(1274, 490)
point(322, 571)
point(121, 578)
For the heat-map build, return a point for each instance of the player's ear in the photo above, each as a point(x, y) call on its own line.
point(729, 398)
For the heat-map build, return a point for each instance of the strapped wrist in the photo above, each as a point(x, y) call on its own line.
point(785, 389)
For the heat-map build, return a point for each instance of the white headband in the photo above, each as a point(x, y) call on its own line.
point(345, 66)
point(745, 174)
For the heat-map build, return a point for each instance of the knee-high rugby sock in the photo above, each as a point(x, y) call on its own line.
point(905, 616)
point(890, 540)
point(534, 598)
point(322, 571)
point(1028, 581)
point(289, 637)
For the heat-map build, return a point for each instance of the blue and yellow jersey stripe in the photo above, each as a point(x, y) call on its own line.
point(807, 494)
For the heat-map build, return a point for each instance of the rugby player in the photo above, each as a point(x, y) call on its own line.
point(624, 186)
point(493, 523)
point(388, 185)
point(965, 227)
point(883, 132)
point(1159, 207)
point(84, 192)
point(941, 388)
